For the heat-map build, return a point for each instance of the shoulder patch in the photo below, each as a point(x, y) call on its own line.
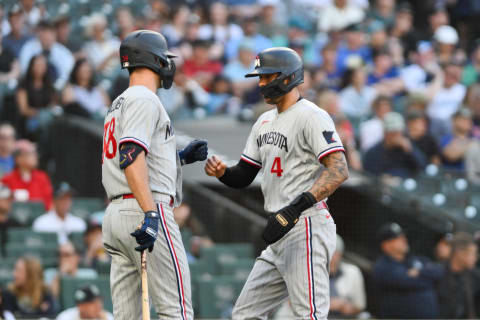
point(328, 135)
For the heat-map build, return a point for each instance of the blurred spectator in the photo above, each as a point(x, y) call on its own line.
point(455, 145)
point(89, 306)
point(236, 69)
point(18, 34)
point(83, 91)
point(338, 15)
point(383, 69)
point(33, 13)
point(459, 290)
point(7, 147)
point(250, 33)
point(378, 35)
point(9, 69)
point(59, 219)
point(472, 162)
point(383, 11)
point(443, 248)
point(331, 77)
point(64, 36)
point(95, 252)
point(268, 25)
point(448, 98)
point(175, 31)
point(416, 74)
point(27, 296)
point(438, 17)
point(371, 131)
point(347, 290)
point(200, 67)
point(446, 40)
point(221, 97)
point(36, 96)
point(472, 101)
point(68, 262)
point(102, 49)
point(219, 30)
point(405, 283)
point(402, 30)
point(4, 314)
point(356, 97)
point(26, 181)
point(59, 58)
point(125, 22)
point(395, 155)
point(472, 70)
point(5, 217)
point(417, 132)
point(354, 50)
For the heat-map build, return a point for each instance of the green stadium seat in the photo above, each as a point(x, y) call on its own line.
point(47, 262)
point(69, 285)
point(225, 253)
point(84, 207)
point(26, 212)
point(77, 239)
point(31, 239)
point(239, 269)
point(216, 295)
point(17, 250)
point(186, 237)
point(103, 267)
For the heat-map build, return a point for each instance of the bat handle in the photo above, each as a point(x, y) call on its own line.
point(145, 300)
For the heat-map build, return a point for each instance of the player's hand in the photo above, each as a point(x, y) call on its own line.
point(197, 150)
point(282, 221)
point(147, 232)
point(215, 167)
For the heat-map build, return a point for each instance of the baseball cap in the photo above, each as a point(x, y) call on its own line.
point(5, 191)
point(390, 231)
point(63, 189)
point(86, 293)
point(393, 121)
point(446, 34)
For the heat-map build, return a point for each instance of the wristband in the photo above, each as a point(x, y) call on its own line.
point(304, 201)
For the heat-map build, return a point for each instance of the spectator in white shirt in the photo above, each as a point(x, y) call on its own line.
point(59, 219)
point(371, 131)
point(58, 55)
point(339, 15)
point(89, 306)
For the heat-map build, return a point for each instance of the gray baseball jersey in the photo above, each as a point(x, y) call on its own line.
point(288, 146)
point(138, 116)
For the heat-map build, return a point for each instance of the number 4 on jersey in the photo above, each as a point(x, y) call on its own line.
point(109, 142)
point(277, 167)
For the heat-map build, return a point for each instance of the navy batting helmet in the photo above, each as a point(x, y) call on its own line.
point(280, 60)
point(145, 48)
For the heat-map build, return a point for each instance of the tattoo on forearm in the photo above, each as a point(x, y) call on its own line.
point(336, 171)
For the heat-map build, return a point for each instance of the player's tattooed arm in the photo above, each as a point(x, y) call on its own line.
point(336, 172)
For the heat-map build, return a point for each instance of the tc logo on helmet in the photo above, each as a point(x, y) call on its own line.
point(257, 62)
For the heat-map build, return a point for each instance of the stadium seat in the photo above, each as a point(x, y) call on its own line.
point(225, 253)
point(216, 295)
point(26, 212)
point(186, 236)
point(84, 207)
point(77, 239)
point(30, 238)
point(46, 251)
point(239, 269)
point(69, 285)
point(103, 267)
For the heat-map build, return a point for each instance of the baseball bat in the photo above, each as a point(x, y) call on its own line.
point(145, 301)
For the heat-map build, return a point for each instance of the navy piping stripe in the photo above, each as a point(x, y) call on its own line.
point(340, 148)
point(258, 162)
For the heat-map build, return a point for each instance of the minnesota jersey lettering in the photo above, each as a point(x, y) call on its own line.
point(274, 138)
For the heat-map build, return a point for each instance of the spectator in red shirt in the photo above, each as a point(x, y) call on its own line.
point(199, 66)
point(26, 181)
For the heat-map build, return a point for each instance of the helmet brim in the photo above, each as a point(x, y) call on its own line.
point(265, 70)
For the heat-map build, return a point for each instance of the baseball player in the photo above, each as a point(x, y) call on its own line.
point(141, 173)
point(303, 162)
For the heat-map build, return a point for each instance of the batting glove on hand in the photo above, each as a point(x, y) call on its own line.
point(147, 232)
point(197, 150)
point(282, 221)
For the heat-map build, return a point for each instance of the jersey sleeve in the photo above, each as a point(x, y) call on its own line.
point(139, 120)
point(251, 153)
point(321, 135)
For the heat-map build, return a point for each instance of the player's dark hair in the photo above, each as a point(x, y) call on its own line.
point(461, 241)
point(76, 67)
point(27, 81)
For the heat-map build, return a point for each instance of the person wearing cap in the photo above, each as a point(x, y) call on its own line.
point(395, 155)
point(446, 39)
point(405, 284)
point(347, 289)
point(417, 132)
point(454, 146)
point(94, 251)
point(6, 222)
point(26, 181)
point(459, 290)
point(57, 55)
point(89, 306)
point(59, 219)
point(353, 48)
point(18, 35)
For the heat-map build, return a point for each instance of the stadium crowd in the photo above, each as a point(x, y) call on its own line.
point(399, 78)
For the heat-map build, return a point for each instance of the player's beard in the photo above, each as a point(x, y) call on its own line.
point(273, 101)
